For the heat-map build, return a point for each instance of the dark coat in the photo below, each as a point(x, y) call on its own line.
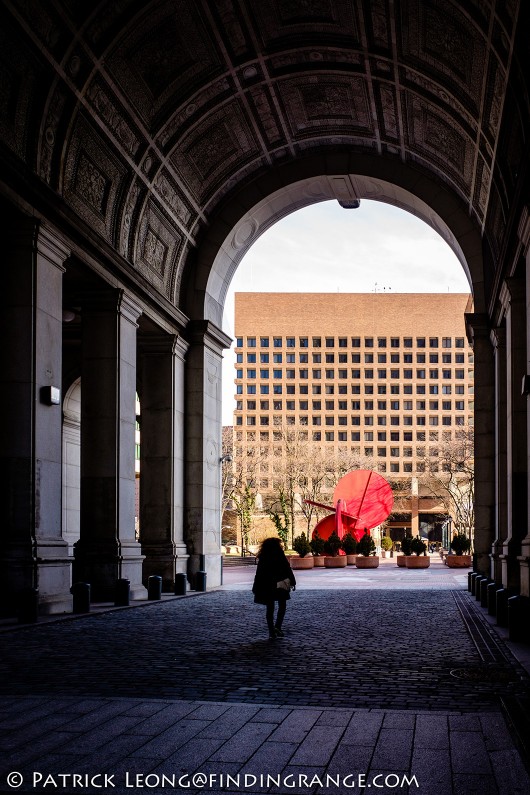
point(268, 573)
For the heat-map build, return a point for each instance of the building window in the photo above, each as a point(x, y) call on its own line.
point(239, 342)
point(381, 436)
point(316, 389)
point(355, 373)
point(330, 374)
point(330, 342)
point(446, 421)
point(356, 342)
point(239, 358)
point(251, 389)
point(433, 342)
point(264, 420)
point(277, 358)
point(277, 342)
point(381, 342)
point(317, 342)
point(343, 342)
point(264, 358)
point(264, 342)
point(290, 358)
point(251, 420)
point(317, 358)
point(304, 342)
point(289, 373)
point(368, 342)
point(446, 342)
point(381, 452)
point(407, 373)
point(330, 436)
point(394, 342)
point(277, 389)
point(368, 373)
point(330, 420)
point(420, 420)
point(330, 390)
point(264, 389)
point(446, 358)
point(381, 373)
point(420, 342)
point(251, 342)
point(251, 373)
point(394, 467)
point(290, 342)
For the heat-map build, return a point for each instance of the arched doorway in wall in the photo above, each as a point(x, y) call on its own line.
point(215, 265)
point(363, 271)
point(71, 490)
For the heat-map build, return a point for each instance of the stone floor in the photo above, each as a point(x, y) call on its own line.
point(391, 680)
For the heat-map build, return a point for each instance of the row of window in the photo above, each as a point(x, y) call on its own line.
point(355, 389)
point(368, 436)
point(342, 342)
point(355, 405)
point(379, 452)
point(265, 419)
point(382, 466)
point(329, 374)
point(355, 358)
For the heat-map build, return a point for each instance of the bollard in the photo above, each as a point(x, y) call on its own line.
point(478, 584)
point(28, 609)
point(474, 576)
point(493, 587)
point(518, 614)
point(484, 591)
point(122, 592)
point(503, 594)
point(469, 580)
point(81, 593)
point(154, 587)
point(200, 581)
point(180, 584)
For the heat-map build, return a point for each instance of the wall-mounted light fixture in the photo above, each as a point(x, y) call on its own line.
point(50, 395)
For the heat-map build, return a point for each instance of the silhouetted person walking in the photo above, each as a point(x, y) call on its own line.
point(273, 567)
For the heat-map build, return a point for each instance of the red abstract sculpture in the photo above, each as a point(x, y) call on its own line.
point(362, 499)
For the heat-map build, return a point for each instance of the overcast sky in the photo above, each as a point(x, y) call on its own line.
point(326, 249)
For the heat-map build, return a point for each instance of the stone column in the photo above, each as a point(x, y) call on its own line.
point(498, 339)
point(203, 449)
point(33, 553)
point(524, 559)
point(484, 447)
point(162, 457)
point(513, 300)
point(107, 548)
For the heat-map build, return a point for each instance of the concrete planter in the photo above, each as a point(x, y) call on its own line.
point(417, 561)
point(400, 560)
point(318, 560)
point(364, 562)
point(335, 561)
point(307, 562)
point(458, 561)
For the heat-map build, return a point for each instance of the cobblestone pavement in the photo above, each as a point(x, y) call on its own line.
point(365, 681)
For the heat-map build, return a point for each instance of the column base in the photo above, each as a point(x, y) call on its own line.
point(50, 572)
point(102, 564)
point(165, 560)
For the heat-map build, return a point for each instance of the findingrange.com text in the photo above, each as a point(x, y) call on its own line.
point(206, 781)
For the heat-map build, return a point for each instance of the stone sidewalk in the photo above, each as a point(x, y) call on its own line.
point(372, 688)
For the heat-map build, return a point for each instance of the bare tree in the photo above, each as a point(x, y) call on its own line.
point(450, 476)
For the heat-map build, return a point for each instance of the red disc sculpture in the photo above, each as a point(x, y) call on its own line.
point(362, 499)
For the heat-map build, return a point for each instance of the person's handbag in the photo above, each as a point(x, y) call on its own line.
point(284, 585)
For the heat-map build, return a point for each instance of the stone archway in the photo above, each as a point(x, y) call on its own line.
point(71, 489)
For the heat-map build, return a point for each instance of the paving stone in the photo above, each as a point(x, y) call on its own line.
point(399, 720)
point(297, 779)
point(166, 743)
point(431, 731)
point(271, 758)
point(296, 725)
point(393, 749)
point(474, 785)
point(432, 768)
point(227, 724)
point(348, 759)
point(163, 719)
point(509, 771)
point(468, 753)
point(271, 715)
point(244, 743)
point(495, 732)
point(364, 728)
point(337, 717)
point(318, 746)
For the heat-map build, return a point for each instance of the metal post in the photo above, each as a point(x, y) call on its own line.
point(154, 587)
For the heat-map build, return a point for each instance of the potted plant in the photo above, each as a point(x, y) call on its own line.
point(304, 559)
point(317, 549)
point(366, 559)
point(349, 547)
point(405, 551)
point(386, 546)
point(461, 545)
point(331, 547)
point(419, 558)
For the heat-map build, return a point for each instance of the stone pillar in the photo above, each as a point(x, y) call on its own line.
point(524, 559)
point(33, 553)
point(498, 339)
point(513, 300)
point(484, 447)
point(107, 548)
point(203, 449)
point(162, 457)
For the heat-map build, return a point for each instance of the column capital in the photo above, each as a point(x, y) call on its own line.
point(513, 290)
point(32, 235)
point(477, 326)
point(112, 300)
point(160, 344)
point(498, 337)
point(204, 332)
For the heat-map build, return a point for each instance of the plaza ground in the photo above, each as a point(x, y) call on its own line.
point(389, 672)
